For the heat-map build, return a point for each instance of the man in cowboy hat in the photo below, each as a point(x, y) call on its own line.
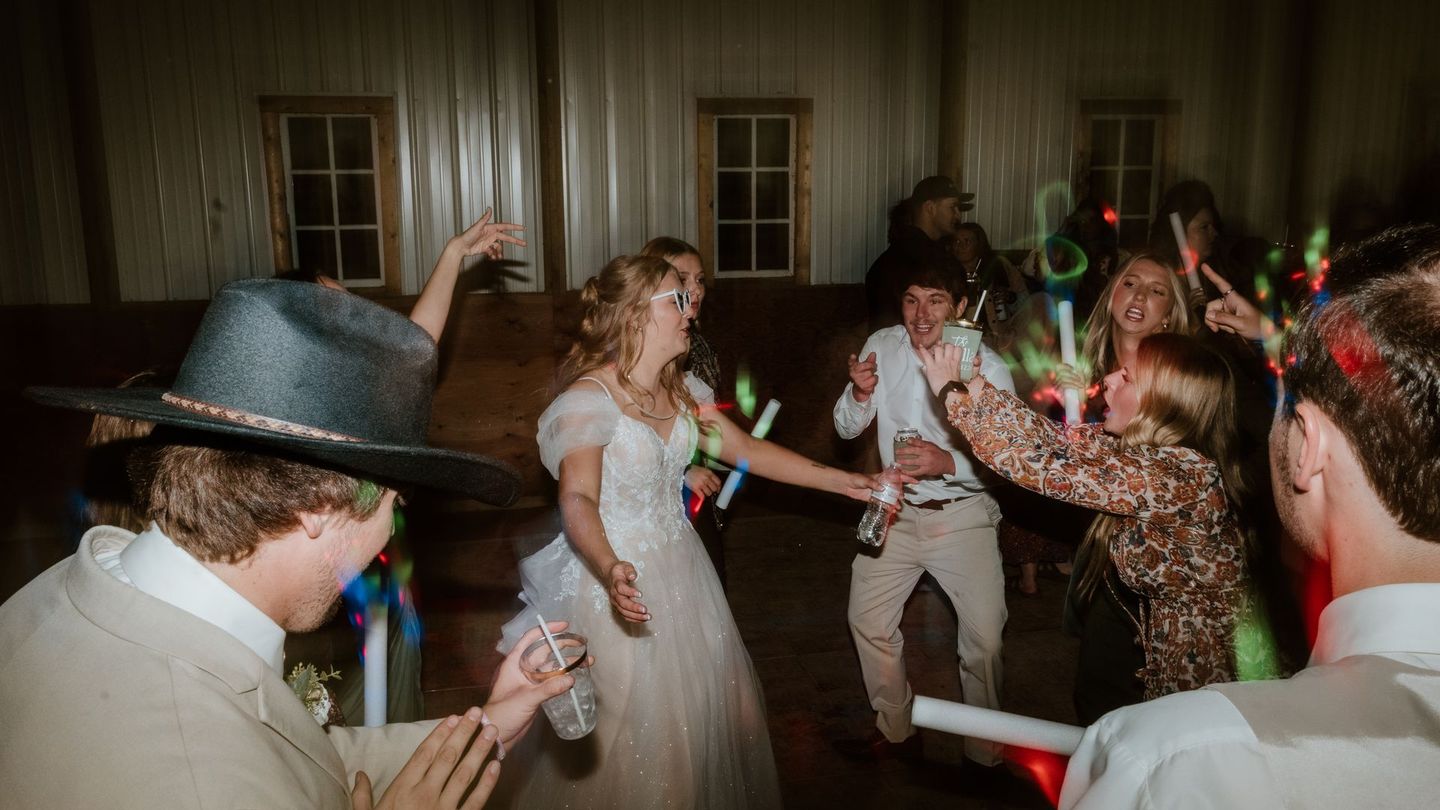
point(146, 670)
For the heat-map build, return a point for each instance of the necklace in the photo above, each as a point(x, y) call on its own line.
point(654, 416)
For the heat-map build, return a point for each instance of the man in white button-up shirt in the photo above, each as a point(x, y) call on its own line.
point(1355, 463)
point(947, 525)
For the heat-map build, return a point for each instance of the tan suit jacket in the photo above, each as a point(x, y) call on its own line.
point(112, 698)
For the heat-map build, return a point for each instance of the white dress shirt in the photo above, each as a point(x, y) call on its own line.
point(903, 399)
point(154, 564)
point(1196, 749)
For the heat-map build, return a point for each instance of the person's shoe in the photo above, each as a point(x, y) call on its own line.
point(874, 747)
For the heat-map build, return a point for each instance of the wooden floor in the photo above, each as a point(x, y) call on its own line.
point(788, 575)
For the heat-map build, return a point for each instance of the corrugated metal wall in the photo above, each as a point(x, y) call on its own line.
point(42, 250)
point(632, 69)
point(178, 83)
point(1029, 64)
point(1374, 64)
point(178, 89)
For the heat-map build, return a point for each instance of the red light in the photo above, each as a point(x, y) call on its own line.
point(384, 558)
point(1297, 275)
point(1110, 215)
point(1324, 263)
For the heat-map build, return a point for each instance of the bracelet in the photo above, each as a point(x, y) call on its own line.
point(499, 746)
point(953, 385)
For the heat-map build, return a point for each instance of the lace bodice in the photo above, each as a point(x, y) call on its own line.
point(640, 500)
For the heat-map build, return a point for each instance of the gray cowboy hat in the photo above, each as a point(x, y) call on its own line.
point(316, 373)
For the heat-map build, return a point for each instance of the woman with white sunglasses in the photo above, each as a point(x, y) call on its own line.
point(681, 721)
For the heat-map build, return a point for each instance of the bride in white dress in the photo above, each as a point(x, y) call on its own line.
point(681, 718)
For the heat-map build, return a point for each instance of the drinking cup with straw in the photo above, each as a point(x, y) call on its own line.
point(572, 714)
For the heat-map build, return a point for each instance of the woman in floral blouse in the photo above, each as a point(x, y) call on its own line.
point(1163, 473)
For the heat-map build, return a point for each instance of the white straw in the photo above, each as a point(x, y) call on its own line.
point(1178, 228)
point(980, 307)
point(555, 648)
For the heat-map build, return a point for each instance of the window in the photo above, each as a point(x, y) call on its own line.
point(331, 166)
point(755, 187)
point(1126, 148)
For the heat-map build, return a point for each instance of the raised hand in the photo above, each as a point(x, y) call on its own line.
point(623, 594)
point(1067, 376)
point(486, 237)
point(863, 375)
point(439, 772)
point(1232, 313)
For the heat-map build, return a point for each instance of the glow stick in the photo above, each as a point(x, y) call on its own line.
point(1065, 313)
point(980, 307)
point(559, 659)
point(1178, 228)
point(1001, 727)
point(377, 653)
point(732, 481)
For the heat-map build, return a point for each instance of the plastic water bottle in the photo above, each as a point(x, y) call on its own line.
point(875, 525)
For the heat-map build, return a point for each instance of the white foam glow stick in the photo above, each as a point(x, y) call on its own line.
point(377, 653)
point(1178, 228)
point(560, 660)
point(1065, 314)
point(732, 481)
point(1001, 727)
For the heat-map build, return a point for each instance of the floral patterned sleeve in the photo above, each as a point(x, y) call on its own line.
point(1081, 465)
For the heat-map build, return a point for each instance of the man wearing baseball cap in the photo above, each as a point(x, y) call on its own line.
point(146, 670)
point(920, 225)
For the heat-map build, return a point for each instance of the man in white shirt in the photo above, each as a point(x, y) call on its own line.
point(147, 670)
point(947, 525)
point(1355, 463)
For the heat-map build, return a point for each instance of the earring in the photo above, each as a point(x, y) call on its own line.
point(1166, 324)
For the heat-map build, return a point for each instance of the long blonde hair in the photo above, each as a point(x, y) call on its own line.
point(1187, 399)
point(1099, 349)
point(616, 307)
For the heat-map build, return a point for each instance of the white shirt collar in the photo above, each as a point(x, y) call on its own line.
point(1375, 621)
point(154, 564)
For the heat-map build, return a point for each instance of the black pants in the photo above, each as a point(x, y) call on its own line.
point(1110, 652)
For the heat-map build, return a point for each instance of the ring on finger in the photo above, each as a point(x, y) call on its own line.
point(1226, 294)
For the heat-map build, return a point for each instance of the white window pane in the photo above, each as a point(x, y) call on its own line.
point(355, 199)
point(772, 195)
point(353, 147)
point(772, 246)
point(732, 142)
point(360, 254)
point(772, 142)
point(733, 248)
point(1105, 142)
point(732, 196)
point(312, 202)
point(309, 142)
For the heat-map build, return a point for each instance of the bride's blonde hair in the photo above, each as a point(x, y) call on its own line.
point(615, 306)
point(1187, 399)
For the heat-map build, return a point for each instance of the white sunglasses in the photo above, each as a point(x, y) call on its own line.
point(682, 299)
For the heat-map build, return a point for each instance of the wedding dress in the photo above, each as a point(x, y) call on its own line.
point(681, 719)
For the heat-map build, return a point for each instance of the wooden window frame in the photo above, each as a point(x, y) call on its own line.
point(802, 111)
point(1166, 114)
point(382, 108)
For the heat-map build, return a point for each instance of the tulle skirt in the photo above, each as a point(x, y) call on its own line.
point(681, 719)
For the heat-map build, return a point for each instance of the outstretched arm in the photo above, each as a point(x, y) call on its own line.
point(433, 306)
point(770, 460)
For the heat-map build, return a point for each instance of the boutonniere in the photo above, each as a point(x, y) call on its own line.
point(309, 686)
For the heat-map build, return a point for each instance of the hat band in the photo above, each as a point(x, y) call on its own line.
point(254, 420)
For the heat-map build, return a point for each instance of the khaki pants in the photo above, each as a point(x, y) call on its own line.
point(958, 546)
